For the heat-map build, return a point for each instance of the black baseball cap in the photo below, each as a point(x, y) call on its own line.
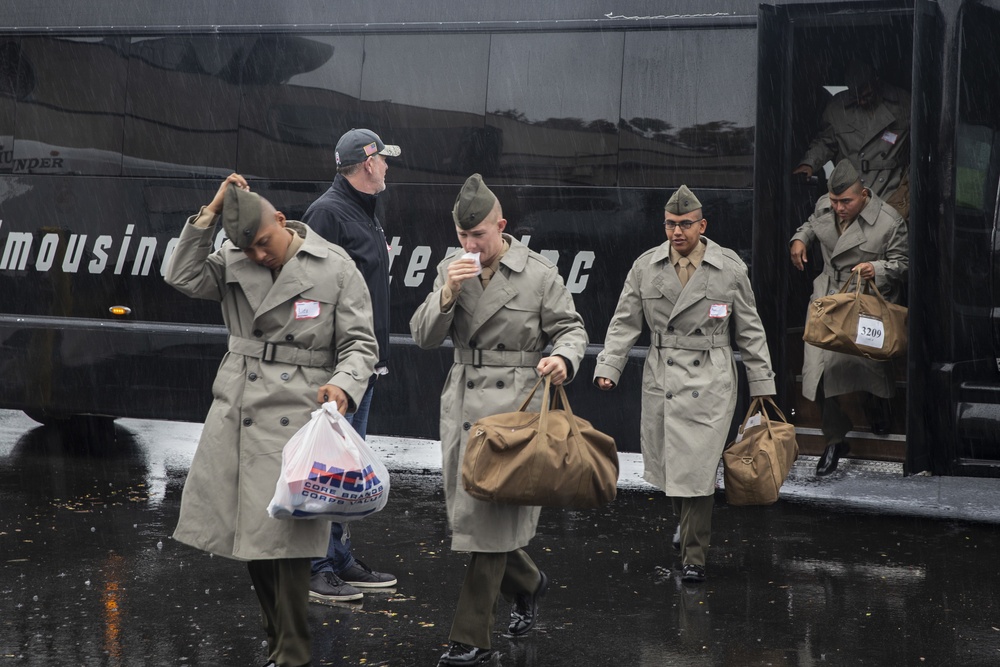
point(359, 145)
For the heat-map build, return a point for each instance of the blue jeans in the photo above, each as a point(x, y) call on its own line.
point(338, 552)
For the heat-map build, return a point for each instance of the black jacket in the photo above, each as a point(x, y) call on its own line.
point(344, 216)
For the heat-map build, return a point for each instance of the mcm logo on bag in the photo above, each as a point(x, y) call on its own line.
point(339, 486)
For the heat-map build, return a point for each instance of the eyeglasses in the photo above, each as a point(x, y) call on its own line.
point(683, 224)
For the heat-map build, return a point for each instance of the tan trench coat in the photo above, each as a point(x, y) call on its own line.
point(525, 307)
point(879, 236)
point(689, 382)
point(258, 405)
point(877, 141)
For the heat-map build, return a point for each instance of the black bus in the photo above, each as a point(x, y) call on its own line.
point(117, 122)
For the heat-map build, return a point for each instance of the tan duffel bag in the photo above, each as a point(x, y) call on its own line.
point(858, 323)
point(549, 458)
point(757, 462)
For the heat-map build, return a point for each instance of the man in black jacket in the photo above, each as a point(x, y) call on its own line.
point(345, 215)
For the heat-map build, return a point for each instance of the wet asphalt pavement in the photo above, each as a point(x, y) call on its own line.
point(90, 576)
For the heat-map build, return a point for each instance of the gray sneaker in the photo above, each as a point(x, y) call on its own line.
point(328, 587)
point(362, 576)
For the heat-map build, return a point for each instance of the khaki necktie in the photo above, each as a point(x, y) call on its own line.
point(485, 276)
point(684, 270)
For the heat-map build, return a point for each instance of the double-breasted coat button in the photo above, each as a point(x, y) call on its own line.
point(670, 328)
point(284, 421)
point(470, 384)
point(285, 376)
point(501, 346)
point(697, 362)
point(289, 337)
point(669, 395)
point(670, 362)
point(258, 333)
point(697, 332)
point(472, 344)
point(694, 394)
point(466, 426)
point(247, 421)
point(499, 384)
point(252, 377)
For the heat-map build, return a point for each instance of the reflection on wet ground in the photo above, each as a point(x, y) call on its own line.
point(90, 576)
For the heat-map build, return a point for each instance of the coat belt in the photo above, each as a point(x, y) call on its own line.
point(282, 354)
point(838, 276)
point(478, 358)
point(689, 342)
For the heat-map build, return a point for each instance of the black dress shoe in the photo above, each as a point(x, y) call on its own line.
point(524, 611)
point(463, 654)
point(693, 574)
point(831, 457)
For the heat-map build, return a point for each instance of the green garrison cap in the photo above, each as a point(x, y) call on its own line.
point(474, 203)
point(241, 216)
point(844, 176)
point(681, 202)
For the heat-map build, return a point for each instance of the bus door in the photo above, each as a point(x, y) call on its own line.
point(803, 52)
point(954, 411)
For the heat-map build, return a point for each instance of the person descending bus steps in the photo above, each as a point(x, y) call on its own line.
point(855, 230)
point(300, 334)
point(690, 292)
point(345, 215)
point(500, 319)
point(868, 124)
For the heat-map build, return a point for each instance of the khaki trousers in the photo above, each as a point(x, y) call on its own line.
point(488, 576)
point(695, 516)
point(282, 587)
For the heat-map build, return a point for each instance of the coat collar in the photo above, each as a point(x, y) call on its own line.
point(261, 290)
point(483, 304)
point(669, 285)
point(857, 232)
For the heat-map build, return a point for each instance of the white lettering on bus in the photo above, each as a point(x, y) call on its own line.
point(577, 281)
point(102, 243)
point(74, 252)
point(124, 249)
point(419, 261)
point(47, 252)
point(69, 250)
point(15, 251)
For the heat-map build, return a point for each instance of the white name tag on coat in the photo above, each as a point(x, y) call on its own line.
point(890, 137)
point(718, 310)
point(306, 310)
point(871, 333)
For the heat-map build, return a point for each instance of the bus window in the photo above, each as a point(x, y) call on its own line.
point(72, 120)
point(554, 101)
point(192, 129)
point(688, 108)
point(417, 94)
point(300, 93)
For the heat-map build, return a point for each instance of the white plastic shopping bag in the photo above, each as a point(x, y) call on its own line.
point(329, 472)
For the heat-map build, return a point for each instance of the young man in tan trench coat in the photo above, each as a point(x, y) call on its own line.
point(300, 334)
point(690, 292)
point(499, 320)
point(855, 230)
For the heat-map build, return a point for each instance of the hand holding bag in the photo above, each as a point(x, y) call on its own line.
point(549, 459)
point(329, 472)
point(864, 325)
point(757, 462)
